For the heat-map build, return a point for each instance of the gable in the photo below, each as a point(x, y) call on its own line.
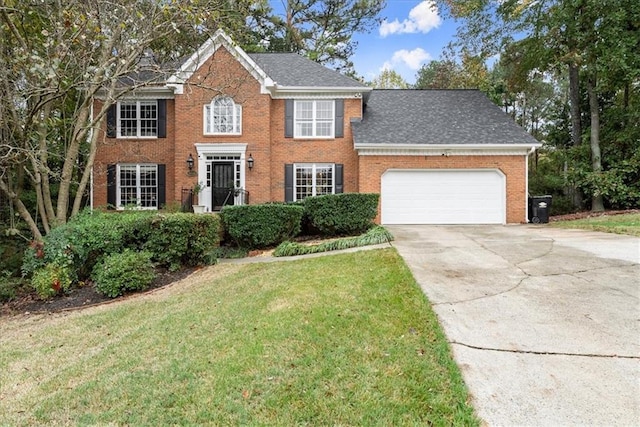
point(206, 51)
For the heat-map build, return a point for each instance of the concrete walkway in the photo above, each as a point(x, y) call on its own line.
point(544, 323)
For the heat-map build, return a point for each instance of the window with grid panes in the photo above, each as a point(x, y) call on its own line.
point(138, 186)
point(138, 119)
point(313, 180)
point(223, 116)
point(314, 118)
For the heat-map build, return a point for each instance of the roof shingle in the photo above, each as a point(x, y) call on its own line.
point(396, 116)
point(293, 70)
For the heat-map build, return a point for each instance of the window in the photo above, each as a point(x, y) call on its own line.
point(313, 180)
point(137, 186)
point(314, 119)
point(223, 116)
point(138, 119)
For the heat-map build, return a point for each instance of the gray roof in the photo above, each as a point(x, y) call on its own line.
point(291, 69)
point(436, 117)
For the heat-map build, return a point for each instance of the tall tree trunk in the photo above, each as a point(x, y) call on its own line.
point(597, 203)
point(574, 103)
point(576, 125)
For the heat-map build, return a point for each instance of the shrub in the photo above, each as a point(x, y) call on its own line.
point(10, 286)
point(51, 279)
point(258, 226)
point(374, 236)
point(55, 249)
point(123, 271)
point(181, 238)
point(341, 214)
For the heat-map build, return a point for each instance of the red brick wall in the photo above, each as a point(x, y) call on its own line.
point(222, 74)
point(150, 150)
point(290, 150)
point(262, 131)
point(372, 168)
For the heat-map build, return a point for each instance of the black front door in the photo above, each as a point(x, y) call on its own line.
point(222, 185)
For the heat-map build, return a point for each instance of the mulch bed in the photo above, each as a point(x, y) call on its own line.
point(87, 296)
point(589, 214)
point(81, 297)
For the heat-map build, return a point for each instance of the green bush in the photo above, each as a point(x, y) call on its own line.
point(344, 214)
point(259, 226)
point(174, 240)
point(181, 238)
point(123, 271)
point(51, 279)
point(10, 286)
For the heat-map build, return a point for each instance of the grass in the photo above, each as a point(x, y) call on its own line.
point(343, 339)
point(620, 224)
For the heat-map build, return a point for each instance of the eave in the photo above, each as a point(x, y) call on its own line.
point(445, 150)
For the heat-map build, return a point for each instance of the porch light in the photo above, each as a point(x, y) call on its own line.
point(250, 161)
point(190, 162)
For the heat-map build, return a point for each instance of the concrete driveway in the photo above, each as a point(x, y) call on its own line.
point(544, 323)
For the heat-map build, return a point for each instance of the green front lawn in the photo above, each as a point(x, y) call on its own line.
point(621, 224)
point(343, 339)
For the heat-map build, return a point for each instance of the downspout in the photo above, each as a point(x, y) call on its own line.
point(526, 180)
point(90, 136)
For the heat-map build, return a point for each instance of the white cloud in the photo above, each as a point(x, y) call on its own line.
point(410, 58)
point(422, 19)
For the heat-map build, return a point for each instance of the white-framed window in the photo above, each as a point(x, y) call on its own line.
point(138, 119)
point(314, 118)
point(313, 179)
point(223, 117)
point(137, 186)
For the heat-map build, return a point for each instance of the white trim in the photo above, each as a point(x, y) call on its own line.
point(314, 185)
point(309, 92)
point(119, 205)
point(144, 92)
point(205, 51)
point(526, 184)
point(138, 119)
point(236, 118)
point(444, 149)
point(314, 119)
point(205, 149)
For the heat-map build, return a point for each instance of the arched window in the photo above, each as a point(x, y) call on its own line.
point(222, 116)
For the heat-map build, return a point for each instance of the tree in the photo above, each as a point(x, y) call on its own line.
point(389, 79)
point(437, 75)
point(593, 42)
point(321, 30)
point(470, 73)
point(55, 57)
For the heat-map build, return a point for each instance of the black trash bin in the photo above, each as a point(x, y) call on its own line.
point(539, 207)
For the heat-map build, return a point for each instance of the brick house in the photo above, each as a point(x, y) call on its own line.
point(261, 127)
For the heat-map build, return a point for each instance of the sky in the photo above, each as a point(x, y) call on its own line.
point(411, 34)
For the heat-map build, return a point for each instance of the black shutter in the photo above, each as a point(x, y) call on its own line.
point(288, 118)
point(162, 118)
point(288, 182)
point(162, 184)
point(111, 187)
point(339, 178)
point(112, 125)
point(339, 118)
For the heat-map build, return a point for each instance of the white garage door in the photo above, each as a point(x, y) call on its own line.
point(443, 197)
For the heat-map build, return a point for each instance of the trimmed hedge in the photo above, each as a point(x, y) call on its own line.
point(181, 238)
point(259, 226)
point(345, 214)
